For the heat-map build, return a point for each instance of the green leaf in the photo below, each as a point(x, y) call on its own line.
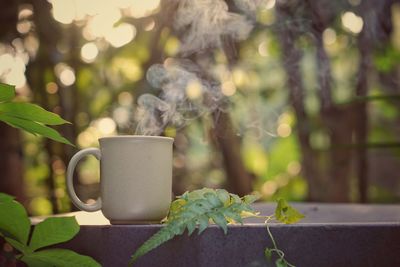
point(7, 92)
point(203, 223)
point(197, 194)
point(191, 226)
point(220, 220)
point(6, 198)
point(34, 128)
point(194, 209)
point(213, 199)
point(268, 254)
point(287, 214)
point(233, 215)
point(223, 196)
point(175, 208)
point(163, 235)
point(17, 245)
point(53, 231)
point(58, 258)
point(14, 221)
point(251, 198)
point(31, 112)
point(280, 263)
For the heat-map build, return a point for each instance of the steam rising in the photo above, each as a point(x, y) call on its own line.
point(178, 79)
point(250, 7)
point(187, 91)
point(202, 24)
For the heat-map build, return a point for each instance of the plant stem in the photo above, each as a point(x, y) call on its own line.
point(269, 232)
point(280, 253)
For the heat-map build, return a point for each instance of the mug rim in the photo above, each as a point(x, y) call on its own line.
point(138, 137)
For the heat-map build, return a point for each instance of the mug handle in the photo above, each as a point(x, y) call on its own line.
point(70, 177)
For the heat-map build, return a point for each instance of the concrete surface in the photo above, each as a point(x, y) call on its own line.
point(336, 235)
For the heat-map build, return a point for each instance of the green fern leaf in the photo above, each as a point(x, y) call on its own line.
point(195, 210)
point(203, 223)
point(191, 226)
point(162, 236)
point(220, 220)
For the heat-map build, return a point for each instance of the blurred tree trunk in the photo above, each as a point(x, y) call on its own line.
point(239, 180)
point(361, 122)
point(11, 162)
point(327, 172)
point(11, 158)
point(228, 143)
point(40, 71)
point(338, 170)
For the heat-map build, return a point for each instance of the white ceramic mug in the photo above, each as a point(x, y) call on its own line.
point(135, 178)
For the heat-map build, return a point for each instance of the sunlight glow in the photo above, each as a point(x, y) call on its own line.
point(88, 137)
point(121, 35)
point(121, 115)
point(64, 11)
point(294, 168)
point(352, 22)
point(16, 77)
point(6, 60)
point(239, 77)
point(193, 90)
point(67, 77)
point(129, 68)
point(172, 46)
point(106, 126)
point(150, 26)
point(270, 4)
point(329, 36)
point(269, 188)
point(51, 88)
point(228, 88)
point(140, 8)
point(102, 24)
point(65, 73)
point(284, 130)
point(125, 99)
point(263, 49)
point(89, 52)
point(13, 70)
point(25, 12)
point(24, 26)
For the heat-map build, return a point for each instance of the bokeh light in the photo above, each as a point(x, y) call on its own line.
point(106, 126)
point(121, 34)
point(64, 11)
point(140, 8)
point(193, 90)
point(89, 52)
point(329, 36)
point(67, 77)
point(284, 130)
point(52, 88)
point(352, 22)
point(65, 74)
point(12, 68)
point(263, 49)
point(228, 88)
point(122, 116)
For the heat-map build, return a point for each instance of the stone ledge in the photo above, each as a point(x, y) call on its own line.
point(336, 235)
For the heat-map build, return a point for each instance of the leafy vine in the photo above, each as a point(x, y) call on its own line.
point(196, 209)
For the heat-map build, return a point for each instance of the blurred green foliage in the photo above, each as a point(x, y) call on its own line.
point(99, 79)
